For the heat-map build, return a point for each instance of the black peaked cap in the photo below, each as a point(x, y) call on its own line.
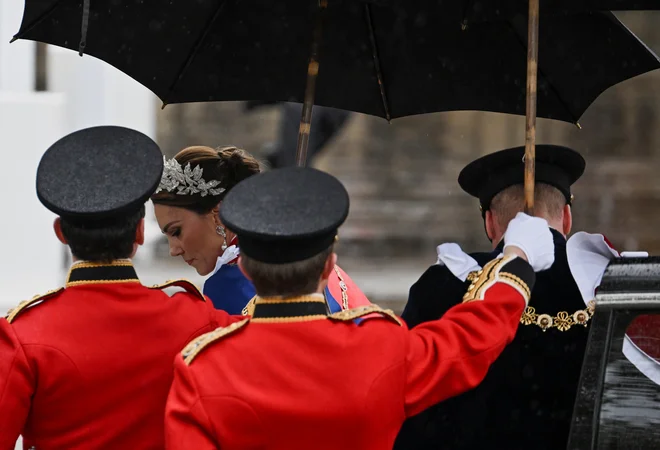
point(285, 215)
point(556, 165)
point(99, 173)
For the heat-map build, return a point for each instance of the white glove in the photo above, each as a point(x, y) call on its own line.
point(457, 261)
point(531, 235)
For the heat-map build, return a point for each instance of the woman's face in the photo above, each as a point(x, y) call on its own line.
point(190, 235)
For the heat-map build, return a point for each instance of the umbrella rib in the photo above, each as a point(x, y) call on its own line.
point(36, 21)
point(374, 52)
point(466, 7)
point(83, 28)
point(193, 53)
point(543, 75)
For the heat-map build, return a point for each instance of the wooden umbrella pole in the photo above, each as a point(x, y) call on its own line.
point(530, 122)
point(310, 89)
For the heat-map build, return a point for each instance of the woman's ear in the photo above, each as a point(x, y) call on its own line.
point(215, 212)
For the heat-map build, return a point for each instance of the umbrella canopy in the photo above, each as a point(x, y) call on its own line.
point(489, 10)
point(219, 50)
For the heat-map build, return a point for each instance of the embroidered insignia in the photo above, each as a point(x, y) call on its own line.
point(24, 305)
point(186, 285)
point(196, 346)
point(248, 310)
point(355, 313)
point(483, 279)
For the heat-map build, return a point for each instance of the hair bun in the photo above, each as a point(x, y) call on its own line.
point(231, 157)
point(236, 164)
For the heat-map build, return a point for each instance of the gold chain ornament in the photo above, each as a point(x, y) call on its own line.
point(344, 289)
point(562, 321)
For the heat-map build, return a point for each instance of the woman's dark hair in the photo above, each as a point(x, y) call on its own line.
point(228, 165)
point(102, 241)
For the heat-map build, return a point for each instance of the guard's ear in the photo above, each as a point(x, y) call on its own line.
point(329, 266)
point(57, 227)
point(567, 220)
point(243, 271)
point(139, 233)
point(489, 224)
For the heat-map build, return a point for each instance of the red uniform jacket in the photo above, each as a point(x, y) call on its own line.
point(292, 377)
point(89, 366)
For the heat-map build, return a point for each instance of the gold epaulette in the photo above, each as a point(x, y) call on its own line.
point(350, 314)
point(25, 304)
point(186, 285)
point(483, 279)
point(196, 346)
point(249, 308)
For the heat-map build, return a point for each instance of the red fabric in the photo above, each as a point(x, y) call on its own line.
point(609, 244)
point(90, 368)
point(356, 297)
point(275, 385)
point(644, 332)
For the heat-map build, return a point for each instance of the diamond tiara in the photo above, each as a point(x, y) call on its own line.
point(185, 180)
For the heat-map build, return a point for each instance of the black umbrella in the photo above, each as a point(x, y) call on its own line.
point(187, 51)
point(490, 10)
point(389, 58)
point(476, 11)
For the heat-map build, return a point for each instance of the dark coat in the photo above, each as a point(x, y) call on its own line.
point(526, 400)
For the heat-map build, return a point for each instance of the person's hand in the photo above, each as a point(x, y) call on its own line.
point(531, 237)
point(459, 263)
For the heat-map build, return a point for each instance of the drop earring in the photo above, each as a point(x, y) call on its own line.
point(221, 231)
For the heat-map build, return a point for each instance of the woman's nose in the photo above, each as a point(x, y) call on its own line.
point(175, 250)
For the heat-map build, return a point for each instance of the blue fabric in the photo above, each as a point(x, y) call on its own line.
point(333, 304)
point(229, 290)
point(335, 307)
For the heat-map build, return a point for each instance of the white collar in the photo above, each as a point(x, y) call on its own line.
point(228, 255)
point(588, 256)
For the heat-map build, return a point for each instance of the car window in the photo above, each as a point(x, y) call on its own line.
point(630, 403)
